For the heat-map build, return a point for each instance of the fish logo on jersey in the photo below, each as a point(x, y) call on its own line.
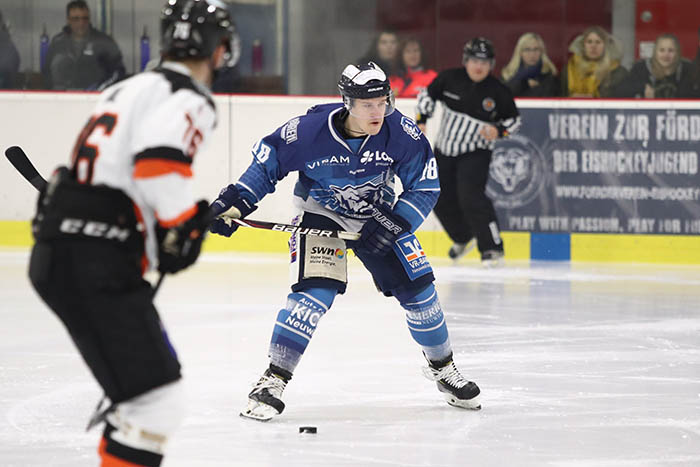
point(357, 199)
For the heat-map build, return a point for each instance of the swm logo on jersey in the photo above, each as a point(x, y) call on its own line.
point(336, 252)
point(517, 172)
point(378, 157)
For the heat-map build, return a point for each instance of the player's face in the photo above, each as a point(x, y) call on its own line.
point(593, 46)
point(79, 21)
point(478, 68)
point(666, 52)
point(531, 53)
point(368, 114)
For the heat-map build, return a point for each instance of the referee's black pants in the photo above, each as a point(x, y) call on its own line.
point(463, 207)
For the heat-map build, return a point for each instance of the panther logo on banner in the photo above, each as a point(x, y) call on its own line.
point(517, 172)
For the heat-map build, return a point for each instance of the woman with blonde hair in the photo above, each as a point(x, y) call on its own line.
point(665, 75)
point(530, 72)
point(594, 69)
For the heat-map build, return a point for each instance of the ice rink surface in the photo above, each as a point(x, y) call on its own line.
point(580, 365)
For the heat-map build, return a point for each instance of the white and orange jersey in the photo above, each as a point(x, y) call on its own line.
point(142, 138)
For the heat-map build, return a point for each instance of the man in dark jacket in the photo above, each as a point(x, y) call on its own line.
point(9, 57)
point(81, 57)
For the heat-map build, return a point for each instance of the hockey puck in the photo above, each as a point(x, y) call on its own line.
point(307, 429)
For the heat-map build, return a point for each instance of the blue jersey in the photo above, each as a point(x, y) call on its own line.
point(343, 179)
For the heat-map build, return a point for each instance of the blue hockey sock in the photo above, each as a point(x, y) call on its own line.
point(296, 323)
point(426, 322)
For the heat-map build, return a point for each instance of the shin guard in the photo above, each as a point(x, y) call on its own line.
point(426, 322)
point(296, 324)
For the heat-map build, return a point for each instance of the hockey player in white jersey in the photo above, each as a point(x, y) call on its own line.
point(346, 156)
point(125, 205)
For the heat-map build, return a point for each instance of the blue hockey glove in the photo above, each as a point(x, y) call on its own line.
point(229, 204)
point(379, 233)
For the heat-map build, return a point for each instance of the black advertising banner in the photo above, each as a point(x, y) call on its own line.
point(596, 166)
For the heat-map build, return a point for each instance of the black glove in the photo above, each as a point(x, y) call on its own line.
point(179, 246)
point(379, 233)
point(232, 204)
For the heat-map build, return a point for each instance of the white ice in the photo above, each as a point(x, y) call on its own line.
point(579, 365)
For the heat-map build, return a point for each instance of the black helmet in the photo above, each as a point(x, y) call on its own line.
point(365, 81)
point(478, 47)
point(195, 28)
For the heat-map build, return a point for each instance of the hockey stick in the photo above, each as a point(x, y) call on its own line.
point(24, 166)
point(292, 229)
point(21, 162)
point(18, 158)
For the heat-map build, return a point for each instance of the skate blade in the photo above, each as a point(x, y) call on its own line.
point(259, 411)
point(492, 263)
point(472, 404)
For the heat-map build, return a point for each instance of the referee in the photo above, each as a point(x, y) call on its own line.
point(478, 109)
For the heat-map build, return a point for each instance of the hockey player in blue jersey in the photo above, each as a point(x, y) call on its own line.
point(346, 156)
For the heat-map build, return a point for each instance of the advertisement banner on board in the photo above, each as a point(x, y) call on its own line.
point(599, 170)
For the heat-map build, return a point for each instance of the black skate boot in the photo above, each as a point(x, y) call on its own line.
point(265, 400)
point(457, 250)
point(458, 391)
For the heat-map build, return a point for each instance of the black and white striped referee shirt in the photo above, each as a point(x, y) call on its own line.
point(469, 106)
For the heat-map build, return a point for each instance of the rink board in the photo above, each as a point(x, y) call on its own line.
point(669, 249)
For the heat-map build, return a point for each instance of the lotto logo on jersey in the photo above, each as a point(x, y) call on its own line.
point(378, 157)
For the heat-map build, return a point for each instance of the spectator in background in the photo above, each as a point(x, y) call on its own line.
point(530, 72)
point(665, 75)
point(412, 77)
point(9, 57)
point(81, 57)
point(594, 70)
point(695, 91)
point(384, 51)
point(228, 78)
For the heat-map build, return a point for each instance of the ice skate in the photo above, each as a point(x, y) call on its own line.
point(457, 250)
point(492, 258)
point(265, 400)
point(458, 391)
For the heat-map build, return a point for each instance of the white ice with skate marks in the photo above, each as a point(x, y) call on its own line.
point(579, 365)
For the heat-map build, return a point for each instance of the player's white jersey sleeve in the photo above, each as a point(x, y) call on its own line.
point(142, 139)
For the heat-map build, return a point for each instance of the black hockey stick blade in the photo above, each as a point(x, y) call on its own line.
point(21, 162)
point(290, 228)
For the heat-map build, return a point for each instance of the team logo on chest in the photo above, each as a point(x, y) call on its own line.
point(356, 201)
point(488, 104)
